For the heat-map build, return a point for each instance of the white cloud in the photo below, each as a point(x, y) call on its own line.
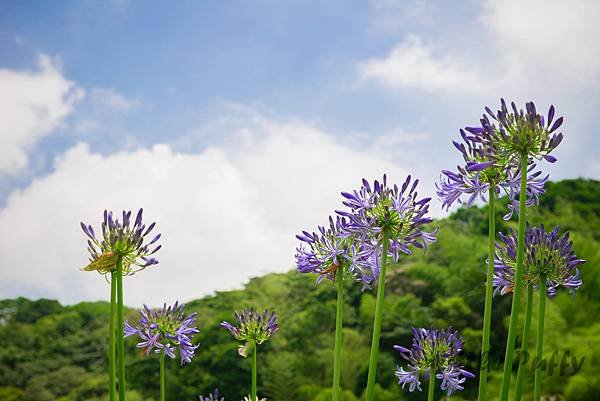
point(226, 213)
point(32, 105)
point(548, 42)
point(412, 64)
point(108, 98)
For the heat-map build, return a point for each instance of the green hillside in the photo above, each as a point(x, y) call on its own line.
point(54, 352)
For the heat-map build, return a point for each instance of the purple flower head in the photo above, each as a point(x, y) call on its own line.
point(330, 250)
point(214, 396)
point(510, 133)
point(433, 352)
point(545, 253)
point(125, 238)
point(253, 327)
point(165, 330)
point(394, 211)
point(480, 173)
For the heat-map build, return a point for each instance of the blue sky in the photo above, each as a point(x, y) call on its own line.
point(246, 119)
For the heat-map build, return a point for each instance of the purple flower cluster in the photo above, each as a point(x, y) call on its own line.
point(330, 250)
point(480, 173)
point(508, 134)
point(253, 327)
point(120, 238)
point(379, 211)
point(214, 396)
point(165, 329)
point(433, 352)
point(545, 253)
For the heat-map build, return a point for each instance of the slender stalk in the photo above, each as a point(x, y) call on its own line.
point(523, 358)
point(539, 346)
point(431, 385)
point(489, 292)
point(516, 301)
point(120, 329)
point(337, 359)
point(254, 393)
point(112, 372)
point(162, 376)
point(377, 322)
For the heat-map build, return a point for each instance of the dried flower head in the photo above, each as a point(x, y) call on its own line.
point(164, 330)
point(509, 134)
point(120, 238)
point(254, 328)
point(214, 396)
point(545, 253)
point(329, 250)
point(433, 351)
point(480, 173)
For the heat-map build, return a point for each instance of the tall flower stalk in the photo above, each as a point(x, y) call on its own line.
point(163, 331)
point(333, 255)
point(254, 328)
point(122, 250)
point(509, 139)
point(386, 222)
point(482, 174)
point(433, 354)
point(549, 263)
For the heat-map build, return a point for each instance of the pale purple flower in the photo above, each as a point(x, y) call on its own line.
point(545, 253)
point(253, 327)
point(121, 238)
point(165, 330)
point(396, 211)
point(214, 396)
point(433, 352)
point(474, 180)
point(329, 250)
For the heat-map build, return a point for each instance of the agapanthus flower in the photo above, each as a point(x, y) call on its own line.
point(253, 327)
point(545, 253)
point(480, 173)
point(249, 397)
point(214, 396)
point(120, 238)
point(395, 211)
point(165, 330)
point(329, 250)
point(433, 352)
point(509, 134)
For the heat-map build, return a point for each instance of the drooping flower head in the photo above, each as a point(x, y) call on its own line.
point(481, 172)
point(253, 327)
point(509, 134)
point(330, 250)
point(394, 211)
point(214, 396)
point(545, 253)
point(433, 352)
point(165, 330)
point(120, 238)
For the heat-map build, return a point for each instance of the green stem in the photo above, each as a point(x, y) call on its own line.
point(377, 321)
point(337, 359)
point(162, 376)
point(524, 356)
point(112, 373)
point(516, 301)
point(539, 346)
point(254, 393)
point(120, 329)
point(431, 385)
point(489, 292)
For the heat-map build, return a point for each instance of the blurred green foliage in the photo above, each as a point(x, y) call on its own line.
point(54, 352)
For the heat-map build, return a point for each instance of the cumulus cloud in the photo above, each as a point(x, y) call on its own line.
point(547, 46)
point(226, 213)
point(412, 64)
point(33, 104)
